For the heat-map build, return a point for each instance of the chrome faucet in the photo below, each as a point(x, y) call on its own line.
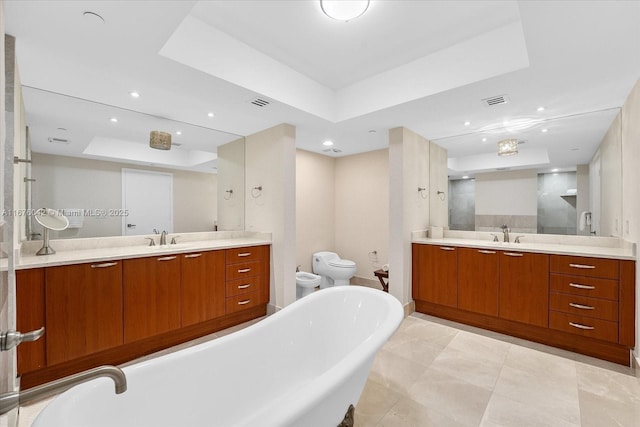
point(163, 238)
point(11, 400)
point(505, 231)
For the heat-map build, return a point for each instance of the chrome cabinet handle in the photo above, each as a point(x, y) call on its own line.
point(247, 301)
point(579, 326)
point(446, 248)
point(579, 286)
point(243, 286)
point(104, 265)
point(582, 266)
point(583, 307)
point(245, 254)
point(193, 255)
point(167, 258)
point(486, 252)
point(244, 270)
point(512, 254)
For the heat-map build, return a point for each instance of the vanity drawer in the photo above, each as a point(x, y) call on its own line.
point(244, 269)
point(242, 302)
point(585, 286)
point(584, 266)
point(244, 286)
point(236, 255)
point(584, 326)
point(584, 306)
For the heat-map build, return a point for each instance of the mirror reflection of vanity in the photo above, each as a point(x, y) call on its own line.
point(564, 167)
point(81, 150)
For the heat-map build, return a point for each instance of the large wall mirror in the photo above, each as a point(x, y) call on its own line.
point(564, 179)
point(94, 163)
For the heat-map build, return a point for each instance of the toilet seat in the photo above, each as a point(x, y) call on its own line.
point(342, 263)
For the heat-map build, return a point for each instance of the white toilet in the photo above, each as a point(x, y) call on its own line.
point(334, 271)
point(306, 283)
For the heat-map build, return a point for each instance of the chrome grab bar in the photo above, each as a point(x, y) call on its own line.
point(579, 326)
point(104, 265)
point(579, 286)
point(581, 306)
point(582, 266)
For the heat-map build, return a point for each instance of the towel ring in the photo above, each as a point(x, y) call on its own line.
point(256, 192)
point(423, 192)
point(441, 195)
point(229, 193)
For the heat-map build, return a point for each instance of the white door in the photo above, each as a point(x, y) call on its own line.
point(147, 200)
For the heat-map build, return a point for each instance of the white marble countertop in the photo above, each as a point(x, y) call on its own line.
point(126, 252)
point(538, 247)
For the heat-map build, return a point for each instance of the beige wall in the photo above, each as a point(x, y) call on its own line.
point(362, 210)
point(231, 178)
point(438, 181)
point(73, 183)
point(315, 206)
point(630, 142)
point(408, 211)
point(270, 159)
point(610, 153)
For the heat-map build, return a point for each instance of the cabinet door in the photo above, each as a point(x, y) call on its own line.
point(203, 286)
point(438, 275)
point(29, 317)
point(151, 296)
point(524, 287)
point(83, 309)
point(478, 280)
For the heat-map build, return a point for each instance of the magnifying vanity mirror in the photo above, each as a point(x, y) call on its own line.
point(50, 219)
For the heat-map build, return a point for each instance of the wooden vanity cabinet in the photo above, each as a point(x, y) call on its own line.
point(436, 278)
point(151, 296)
point(30, 317)
point(83, 306)
point(246, 275)
point(524, 287)
point(478, 280)
point(203, 286)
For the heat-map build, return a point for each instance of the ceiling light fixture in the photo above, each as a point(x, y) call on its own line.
point(545, 130)
point(160, 140)
point(178, 133)
point(114, 120)
point(210, 114)
point(484, 139)
point(508, 147)
point(554, 170)
point(540, 108)
point(467, 123)
point(344, 10)
point(134, 94)
point(328, 143)
point(465, 177)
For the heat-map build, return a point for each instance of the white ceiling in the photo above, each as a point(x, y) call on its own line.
point(425, 65)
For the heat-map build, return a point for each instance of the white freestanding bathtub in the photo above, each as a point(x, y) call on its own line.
point(302, 366)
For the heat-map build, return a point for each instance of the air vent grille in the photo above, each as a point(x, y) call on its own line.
point(332, 150)
point(260, 102)
point(59, 140)
point(495, 100)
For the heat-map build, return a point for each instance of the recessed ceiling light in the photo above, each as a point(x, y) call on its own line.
point(344, 10)
point(93, 17)
point(540, 108)
point(554, 170)
point(467, 123)
point(178, 133)
point(465, 177)
point(372, 131)
point(328, 143)
point(114, 119)
point(484, 139)
point(545, 130)
point(134, 94)
point(210, 114)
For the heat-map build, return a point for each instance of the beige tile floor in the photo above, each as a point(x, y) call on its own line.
point(438, 373)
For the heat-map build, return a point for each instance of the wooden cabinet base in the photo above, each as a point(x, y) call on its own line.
point(134, 350)
point(591, 347)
